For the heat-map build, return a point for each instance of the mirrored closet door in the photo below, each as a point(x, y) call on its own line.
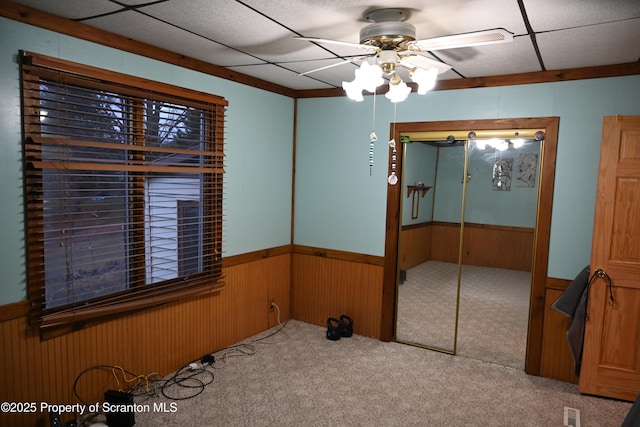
point(466, 244)
point(428, 284)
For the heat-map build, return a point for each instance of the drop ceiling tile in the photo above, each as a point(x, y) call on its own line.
point(145, 29)
point(342, 20)
point(506, 58)
point(545, 15)
point(338, 20)
point(280, 76)
point(605, 44)
point(233, 24)
point(134, 2)
point(73, 9)
point(438, 18)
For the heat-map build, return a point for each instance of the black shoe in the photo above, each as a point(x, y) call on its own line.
point(346, 326)
point(333, 326)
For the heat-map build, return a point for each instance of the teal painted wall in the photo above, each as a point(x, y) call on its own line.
point(339, 206)
point(483, 205)
point(258, 146)
point(338, 203)
point(448, 191)
point(516, 207)
point(419, 165)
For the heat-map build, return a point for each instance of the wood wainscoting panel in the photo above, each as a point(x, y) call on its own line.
point(160, 339)
point(498, 246)
point(484, 245)
point(328, 287)
point(414, 245)
point(445, 241)
point(556, 361)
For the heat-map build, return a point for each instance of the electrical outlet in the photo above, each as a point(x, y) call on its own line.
point(272, 304)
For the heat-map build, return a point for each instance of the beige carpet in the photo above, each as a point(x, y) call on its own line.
point(303, 379)
point(493, 316)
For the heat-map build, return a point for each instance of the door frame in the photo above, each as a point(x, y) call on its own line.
point(543, 222)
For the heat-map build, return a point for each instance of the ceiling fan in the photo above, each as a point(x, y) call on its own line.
point(392, 42)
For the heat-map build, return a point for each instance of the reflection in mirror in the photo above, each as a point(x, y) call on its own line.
point(497, 256)
point(429, 244)
point(474, 299)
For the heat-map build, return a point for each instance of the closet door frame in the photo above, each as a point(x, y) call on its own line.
point(543, 222)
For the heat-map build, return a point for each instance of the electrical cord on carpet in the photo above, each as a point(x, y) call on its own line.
point(260, 340)
point(125, 381)
point(195, 374)
point(134, 384)
point(192, 377)
point(248, 348)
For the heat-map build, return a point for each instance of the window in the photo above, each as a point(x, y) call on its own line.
point(189, 236)
point(123, 190)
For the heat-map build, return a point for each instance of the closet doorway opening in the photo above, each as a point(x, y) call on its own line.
point(474, 224)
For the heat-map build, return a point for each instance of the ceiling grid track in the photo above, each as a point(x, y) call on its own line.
point(531, 33)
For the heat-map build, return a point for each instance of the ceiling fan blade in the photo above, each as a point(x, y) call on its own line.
point(419, 61)
point(345, 61)
point(476, 38)
point(339, 43)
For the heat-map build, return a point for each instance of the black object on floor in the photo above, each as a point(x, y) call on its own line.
point(333, 329)
point(119, 418)
point(403, 276)
point(633, 417)
point(346, 326)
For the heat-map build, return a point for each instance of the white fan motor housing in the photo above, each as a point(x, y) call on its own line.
point(383, 33)
point(387, 29)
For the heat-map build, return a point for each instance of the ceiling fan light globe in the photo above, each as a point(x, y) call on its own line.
point(353, 90)
point(426, 79)
point(369, 77)
point(481, 144)
point(398, 90)
point(517, 143)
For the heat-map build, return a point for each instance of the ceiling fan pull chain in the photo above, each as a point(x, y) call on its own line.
point(372, 137)
point(371, 141)
point(393, 178)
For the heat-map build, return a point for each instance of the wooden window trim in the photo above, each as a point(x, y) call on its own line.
point(53, 322)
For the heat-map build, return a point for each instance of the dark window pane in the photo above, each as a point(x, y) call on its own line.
point(189, 237)
point(85, 235)
point(83, 113)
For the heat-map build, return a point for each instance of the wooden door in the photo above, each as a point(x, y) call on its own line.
point(611, 357)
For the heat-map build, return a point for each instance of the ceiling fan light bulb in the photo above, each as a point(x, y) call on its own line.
point(426, 79)
point(369, 76)
point(398, 90)
point(517, 143)
point(353, 90)
point(498, 144)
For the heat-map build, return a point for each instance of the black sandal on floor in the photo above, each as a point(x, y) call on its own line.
point(346, 326)
point(333, 329)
